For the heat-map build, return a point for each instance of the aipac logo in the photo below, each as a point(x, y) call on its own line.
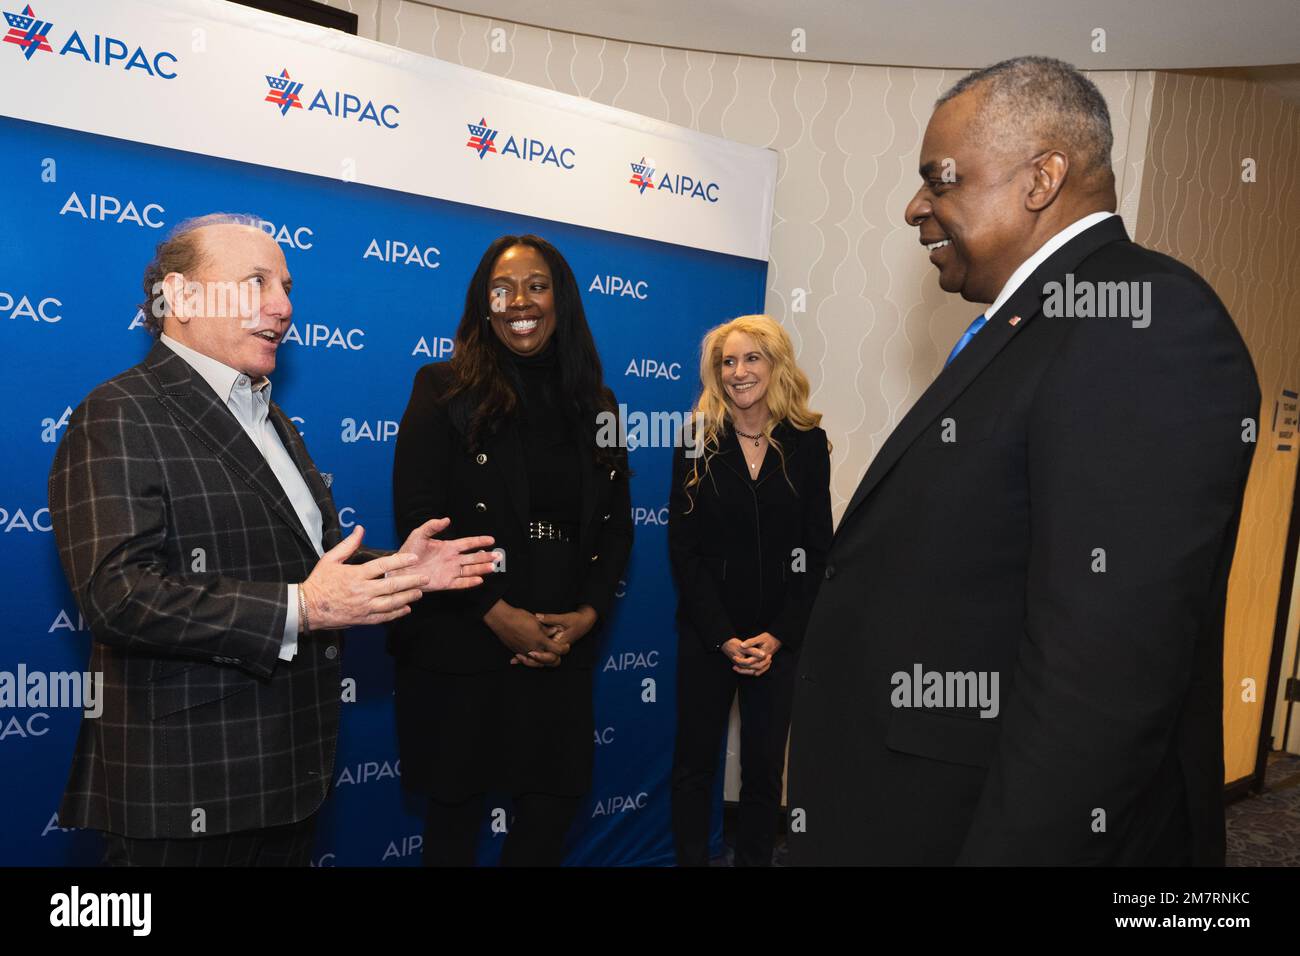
point(679, 184)
point(28, 32)
point(284, 92)
point(481, 139)
point(378, 431)
point(642, 176)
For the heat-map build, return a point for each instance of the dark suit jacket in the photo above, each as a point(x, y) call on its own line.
point(980, 555)
point(177, 541)
point(734, 552)
point(485, 491)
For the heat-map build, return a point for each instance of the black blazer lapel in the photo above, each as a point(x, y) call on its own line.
point(193, 404)
point(1025, 303)
point(732, 455)
point(586, 480)
point(791, 439)
point(729, 452)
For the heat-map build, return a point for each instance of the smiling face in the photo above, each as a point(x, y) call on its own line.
point(745, 372)
point(235, 306)
point(970, 209)
point(521, 300)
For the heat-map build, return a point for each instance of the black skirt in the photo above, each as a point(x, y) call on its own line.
point(517, 729)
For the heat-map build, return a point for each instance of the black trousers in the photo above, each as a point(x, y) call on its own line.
point(288, 845)
point(706, 685)
point(535, 836)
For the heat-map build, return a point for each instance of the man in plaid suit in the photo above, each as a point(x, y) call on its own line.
point(204, 550)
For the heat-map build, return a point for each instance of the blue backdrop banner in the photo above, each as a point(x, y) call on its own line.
point(381, 227)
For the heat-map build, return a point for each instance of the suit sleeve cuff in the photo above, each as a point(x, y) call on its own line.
point(716, 634)
point(484, 597)
point(289, 642)
point(598, 599)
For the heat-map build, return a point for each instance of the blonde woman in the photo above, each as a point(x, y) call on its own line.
point(749, 526)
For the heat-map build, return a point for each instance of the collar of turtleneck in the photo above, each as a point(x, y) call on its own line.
point(545, 359)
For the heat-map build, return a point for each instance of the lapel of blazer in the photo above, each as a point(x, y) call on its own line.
point(731, 454)
point(193, 403)
point(790, 438)
point(331, 532)
point(1025, 302)
point(586, 480)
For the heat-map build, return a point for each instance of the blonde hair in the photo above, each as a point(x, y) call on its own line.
point(786, 396)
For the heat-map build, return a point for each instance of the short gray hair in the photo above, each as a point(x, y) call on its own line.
point(1047, 100)
point(181, 252)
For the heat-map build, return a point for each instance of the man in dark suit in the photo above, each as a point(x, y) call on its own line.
point(203, 548)
point(1016, 655)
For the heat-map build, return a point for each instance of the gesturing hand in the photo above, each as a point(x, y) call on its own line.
point(446, 563)
point(339, 594)
point(522, 633)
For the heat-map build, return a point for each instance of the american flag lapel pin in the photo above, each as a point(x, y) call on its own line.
point(1014, 320)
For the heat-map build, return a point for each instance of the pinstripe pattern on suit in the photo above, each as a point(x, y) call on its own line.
point(177, 541)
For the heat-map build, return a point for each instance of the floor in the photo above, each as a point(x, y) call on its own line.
point(1263, 829)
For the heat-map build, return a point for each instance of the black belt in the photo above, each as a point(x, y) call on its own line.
point(549, 531)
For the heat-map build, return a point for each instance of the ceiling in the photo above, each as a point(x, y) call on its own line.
point(1283, 79)
point(1139, 34)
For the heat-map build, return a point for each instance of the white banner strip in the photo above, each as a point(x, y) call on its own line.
point(224, 80)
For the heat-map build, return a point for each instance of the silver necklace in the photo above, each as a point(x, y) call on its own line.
point(757, 438)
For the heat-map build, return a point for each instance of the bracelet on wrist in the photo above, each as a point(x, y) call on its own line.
point(304, 625)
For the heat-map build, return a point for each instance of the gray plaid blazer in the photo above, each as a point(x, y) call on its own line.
point(178, 540)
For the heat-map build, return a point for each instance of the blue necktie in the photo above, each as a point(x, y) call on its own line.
point(965, 338)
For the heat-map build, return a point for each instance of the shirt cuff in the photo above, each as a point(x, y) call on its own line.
point(289, 644)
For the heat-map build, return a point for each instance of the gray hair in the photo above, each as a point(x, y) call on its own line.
point(1047, 101)
point(181, 252)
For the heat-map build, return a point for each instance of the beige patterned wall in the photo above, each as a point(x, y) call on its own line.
point(1244, 238)
point(876, 328)
point(367, 12)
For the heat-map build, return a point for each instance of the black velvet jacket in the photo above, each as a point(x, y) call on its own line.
point(749, 555)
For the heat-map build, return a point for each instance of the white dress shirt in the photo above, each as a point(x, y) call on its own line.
point(250, 403)
point(1027, 267)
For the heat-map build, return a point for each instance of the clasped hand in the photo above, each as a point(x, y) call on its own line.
point(754, 656)
point(538, 640)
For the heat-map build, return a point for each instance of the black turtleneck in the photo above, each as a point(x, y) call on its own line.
point(548, 435)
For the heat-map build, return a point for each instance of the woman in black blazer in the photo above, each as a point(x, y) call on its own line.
point(748, 530)
point(494, 684)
